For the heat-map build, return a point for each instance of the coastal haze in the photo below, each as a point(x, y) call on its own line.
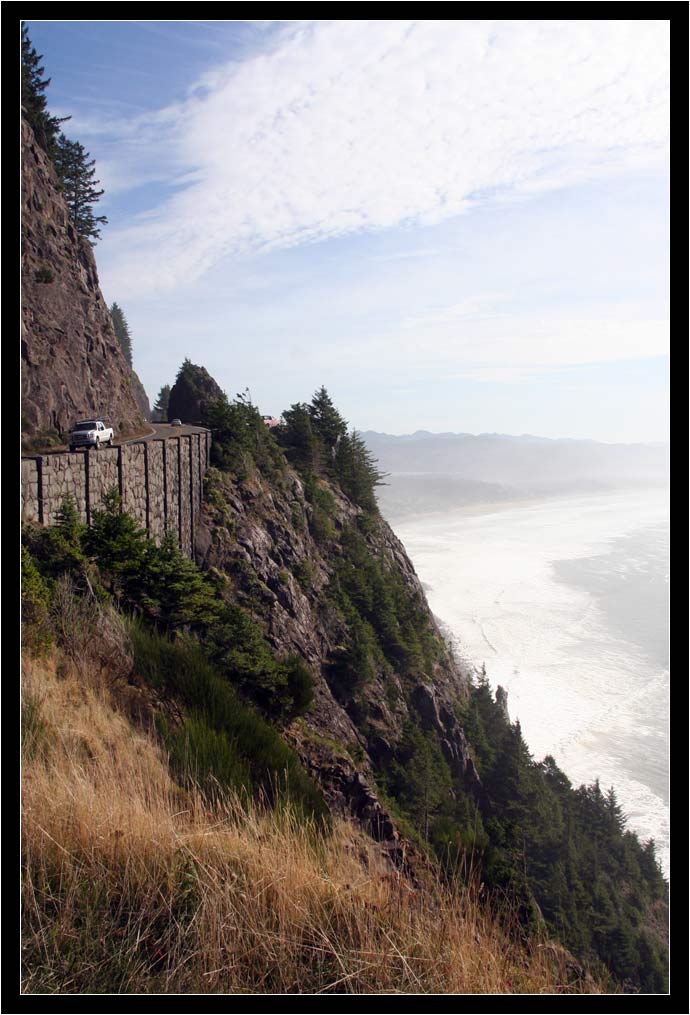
point(548, 562)
point(427, 472)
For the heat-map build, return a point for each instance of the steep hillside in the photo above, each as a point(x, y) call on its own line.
point(297, 662)
point(72, 365)
point(131, 885)
point(140, 396)
point(263, 770)
point(290, 556)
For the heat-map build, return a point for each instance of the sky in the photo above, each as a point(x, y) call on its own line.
point(452, 225)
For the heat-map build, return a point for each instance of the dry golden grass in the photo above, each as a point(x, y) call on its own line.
point(131, 885)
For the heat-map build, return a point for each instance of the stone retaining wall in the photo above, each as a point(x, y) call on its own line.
point(160, 482)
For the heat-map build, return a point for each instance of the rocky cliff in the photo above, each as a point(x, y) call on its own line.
point(140, 396)
point(72, 366)
point(259, 535)
point(191, 393)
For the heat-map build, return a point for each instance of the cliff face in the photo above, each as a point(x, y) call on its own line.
point(72, 365)
point(259, 535)
point(140, 396)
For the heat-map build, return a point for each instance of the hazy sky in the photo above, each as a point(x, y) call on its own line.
point(453, 225)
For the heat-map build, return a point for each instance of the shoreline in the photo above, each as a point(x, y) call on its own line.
point(486, 508)
point(581, 689)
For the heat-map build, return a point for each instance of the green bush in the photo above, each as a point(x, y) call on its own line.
point(241, 437)
point(44, 274)
point(367, 587)
point(304, 573)
point(222, 739)
point(351, 666)
point(118, 545)
point(35, 600)
point(322, 510)
point(57, 549)
point(172, 588)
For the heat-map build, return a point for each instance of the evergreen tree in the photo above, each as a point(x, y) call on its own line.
point(327, 423)
point(161, 404)
point(355, 467)
point(77, 174)
point(297, 437)
point(173, 589)
point(122, 334)
point(118, 543)
point(34, 104)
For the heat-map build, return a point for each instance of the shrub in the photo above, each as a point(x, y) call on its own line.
point(222, 740)
point(240, 437)
point(304, 573)
point(300, 686)
point(351, 666)
point(118, 544)
point(173, 589)
point(35, 599)
point(39, 440)
point(93, 635)
point(368, 588)
point(57, 549)
point(73, 619)
point(44, 274)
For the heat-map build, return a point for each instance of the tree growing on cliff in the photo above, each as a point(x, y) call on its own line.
point(327, 423)
point(122, 333)
point(316, 441)
point(34, 104)
point(77, 176)
point(355, 467)
point(298, 440)
point(160, 407)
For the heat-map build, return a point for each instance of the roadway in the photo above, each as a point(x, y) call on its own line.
point(153, 431)
point(160, 430)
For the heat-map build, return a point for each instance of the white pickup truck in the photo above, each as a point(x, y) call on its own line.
point(90, 433)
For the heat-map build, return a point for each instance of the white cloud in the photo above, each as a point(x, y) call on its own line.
point(481, 345)
point(477, 305)
point(346, 126)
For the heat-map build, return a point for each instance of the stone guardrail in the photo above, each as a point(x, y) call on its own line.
point(160, 481)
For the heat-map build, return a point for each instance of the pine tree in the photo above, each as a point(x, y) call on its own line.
point(161, 404)
point(34, 104)
point(122, 333)
point(327, 422)
point(76, 175)
point(297, 437)
point(355, 467)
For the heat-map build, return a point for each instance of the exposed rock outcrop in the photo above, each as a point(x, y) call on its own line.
point(71, 363)
point(191, 393)
point(140, 396)
point(258, 535)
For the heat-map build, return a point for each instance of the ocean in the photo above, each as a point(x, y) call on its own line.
point(565, 600)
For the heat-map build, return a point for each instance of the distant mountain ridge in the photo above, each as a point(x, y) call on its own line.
point(526, 437)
